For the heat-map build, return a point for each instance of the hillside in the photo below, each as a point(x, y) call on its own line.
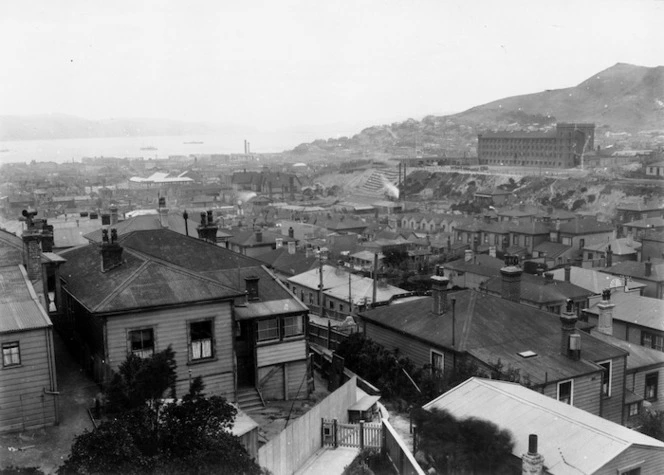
point(60, 126)
point(622, 98)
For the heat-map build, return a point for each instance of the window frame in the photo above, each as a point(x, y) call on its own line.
point(130, 349)
point(270, 330)
point(607, 393)
point(652, 340)
point(435, 369)
point(637, 406)
point(299, 327)
point(190, 340)
point(571, 391)
point(9, 346)
point(650, 376)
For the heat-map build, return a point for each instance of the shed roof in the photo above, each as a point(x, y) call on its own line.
point(568, 436)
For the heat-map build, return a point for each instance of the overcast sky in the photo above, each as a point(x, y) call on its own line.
point(276, 64)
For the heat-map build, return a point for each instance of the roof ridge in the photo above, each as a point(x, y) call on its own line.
point(559, 414)
point(121, 287)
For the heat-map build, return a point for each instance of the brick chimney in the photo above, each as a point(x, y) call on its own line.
point(207, 230)
point(548, 277)
point(511, 283)
point(532, 463)
point(114, 215)
point(279, 242)
point(439, 292)
point(609, 256)
point(32, 255)
point(468, 255)
point(648, 268)
point(291, 233)
point(605, 323)
point(291, 247)
point(111, 251)
point(570, 340)
point(568, 272)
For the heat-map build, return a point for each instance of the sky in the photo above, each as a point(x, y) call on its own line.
point(288, 64)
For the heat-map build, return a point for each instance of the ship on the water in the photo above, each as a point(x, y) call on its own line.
point(192, 143)
point(148, 148)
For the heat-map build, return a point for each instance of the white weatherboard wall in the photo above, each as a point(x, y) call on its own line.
point(300, 440)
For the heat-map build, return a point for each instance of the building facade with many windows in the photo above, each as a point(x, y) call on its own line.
point(562, 147)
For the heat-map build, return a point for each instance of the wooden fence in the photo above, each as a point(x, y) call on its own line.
point(325, 336)
point(362, 435)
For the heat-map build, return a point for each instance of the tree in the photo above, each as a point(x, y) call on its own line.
point(189, 436)
point(652, 423)
point(140, 380)
point(467, 446)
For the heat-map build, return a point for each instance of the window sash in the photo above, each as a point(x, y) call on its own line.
point(268, 329)
point(606, 378)
point(11, 354)
point(293, 326)
point(565, 392)
point(142, 342)
point(651, 386)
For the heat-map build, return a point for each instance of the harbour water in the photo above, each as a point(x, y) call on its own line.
point(67, 150)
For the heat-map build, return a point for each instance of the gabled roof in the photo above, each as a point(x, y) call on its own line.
point(284, 262)
point(491, 328)
point(19, 306)
point(651, 205)
point(619, 247)
point(655, 222)
point(248, 238)
point(585, 226)
point(592, 280)
point(552, 249)
point(632, 308)
point(567, 436)
point(147, 222)
point(638, 270)
point(639, 356)
point(481, 264)
point(539, 290)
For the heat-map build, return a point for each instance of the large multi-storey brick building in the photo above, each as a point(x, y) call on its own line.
point(562, 147)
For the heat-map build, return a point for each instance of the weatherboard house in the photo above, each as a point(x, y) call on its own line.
point(551, 355)
point(228, 319)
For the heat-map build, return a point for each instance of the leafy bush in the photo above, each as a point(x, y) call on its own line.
point(450, 445)
point(369, 462)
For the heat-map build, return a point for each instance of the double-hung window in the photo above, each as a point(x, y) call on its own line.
point(11, 354)
point(565, 392)
point(652, 340)
point(141, 342)
point(200, 340)
point(652, 380)
point(437, 363)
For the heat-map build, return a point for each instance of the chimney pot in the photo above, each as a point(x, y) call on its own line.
point(568, 321)
point(568, 272)
point(111, 251)
point(291, 232)
point(532, 463)
point(605, 321)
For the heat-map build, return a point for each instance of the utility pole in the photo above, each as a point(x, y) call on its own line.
point(350, 296)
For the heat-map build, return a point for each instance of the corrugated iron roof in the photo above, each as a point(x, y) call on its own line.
point(266, 309)
point(571, 440)
point(19, 307)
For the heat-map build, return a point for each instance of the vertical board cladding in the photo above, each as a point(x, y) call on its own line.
point(171, 327)
point(24, 404)
point(585, 393)
point(649, 460)
point(273, 386)
point(297, 380)
point(612, 406)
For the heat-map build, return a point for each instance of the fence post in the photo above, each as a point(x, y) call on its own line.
point(322, 432)
point(383, 437)
point(336, 442)
point(361, 435)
